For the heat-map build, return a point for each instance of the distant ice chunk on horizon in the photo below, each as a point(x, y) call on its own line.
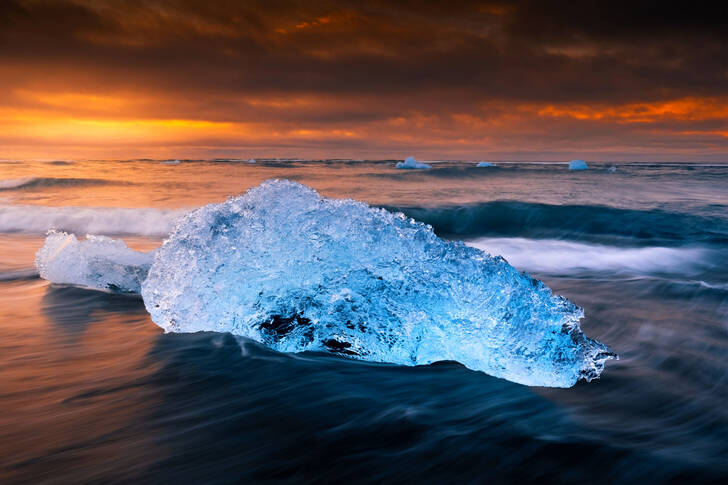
point(298, 272)
point(578, 165)
point(485, 164)
point(412, 164)
point(97, 262)
point(252, 160)
point(170, 162)
point(612, 169)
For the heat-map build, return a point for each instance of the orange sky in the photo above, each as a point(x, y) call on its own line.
point(174, 78)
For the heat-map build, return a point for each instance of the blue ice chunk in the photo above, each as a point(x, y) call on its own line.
point(577, 165)
point(411, 163)
point(485, 164)
point(296, 271)
point(97, 262)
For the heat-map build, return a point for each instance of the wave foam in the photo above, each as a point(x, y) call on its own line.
point(551, 256)
point(87, 220)
point(10, 184)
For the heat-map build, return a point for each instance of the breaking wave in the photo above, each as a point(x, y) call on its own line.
point(533, 220)
point(37, 182)
point(33, 219)
point(559, 257)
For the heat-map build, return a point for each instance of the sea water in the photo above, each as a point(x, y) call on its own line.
point(93, 390)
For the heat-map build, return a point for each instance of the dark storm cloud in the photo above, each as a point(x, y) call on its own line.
point(619, 19)
point(577, 51)
point(317, 63)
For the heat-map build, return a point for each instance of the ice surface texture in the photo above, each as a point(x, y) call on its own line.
point(411, 163)
point(577, 165)
point(297, 271)
point(98, 262)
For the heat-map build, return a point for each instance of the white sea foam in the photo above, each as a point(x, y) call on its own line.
point(16, 183)
point(714, 286)
point(87, 220)
point(552, 256)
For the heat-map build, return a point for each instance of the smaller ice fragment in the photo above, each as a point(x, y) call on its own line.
point(98, 262)
point(252, 160)
point(411, 163)
point(612, 169)
point(485, 164)
point(577, 165)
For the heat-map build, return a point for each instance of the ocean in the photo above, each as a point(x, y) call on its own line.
point(92, 391)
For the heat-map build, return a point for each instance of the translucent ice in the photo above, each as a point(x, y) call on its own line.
point(577, 165)
point(485, 164)
point(297, 271)
point(411, 163)
point(98, 262)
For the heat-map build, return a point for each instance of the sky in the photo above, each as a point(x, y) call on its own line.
point(520, 80)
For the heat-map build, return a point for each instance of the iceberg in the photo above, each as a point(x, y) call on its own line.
point(485, 165)
point(577, 165)
point(98, 262)
point(252, 160)
point(411, 163)
point(300, 272)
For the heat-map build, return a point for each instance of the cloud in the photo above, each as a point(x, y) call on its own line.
point(525, 75)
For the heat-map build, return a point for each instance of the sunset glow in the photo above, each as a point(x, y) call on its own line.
point(177, 79)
